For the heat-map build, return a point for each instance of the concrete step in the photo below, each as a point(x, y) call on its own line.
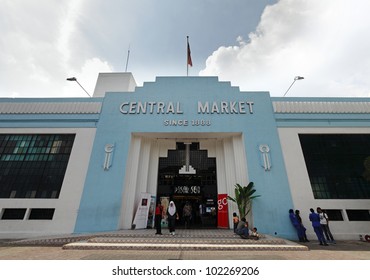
point(183, 246)
point(215, 239)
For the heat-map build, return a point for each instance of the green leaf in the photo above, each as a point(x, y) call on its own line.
point(243, 198)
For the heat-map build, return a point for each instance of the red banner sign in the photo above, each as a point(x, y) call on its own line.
point(223, 212)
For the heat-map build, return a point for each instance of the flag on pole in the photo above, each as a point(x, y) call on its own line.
point(189, 55)
point(188, 60)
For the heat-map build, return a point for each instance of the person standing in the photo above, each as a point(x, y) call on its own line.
point(315, 220)
point(324, 221)
point(302, 227)
point(158, 217)
point(172, 215)
point(295, 223)
point(186, 213)
point(201, 212)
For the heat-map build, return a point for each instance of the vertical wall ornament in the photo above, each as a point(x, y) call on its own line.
point(187, 168)
point(265, 155)
point(108, 156)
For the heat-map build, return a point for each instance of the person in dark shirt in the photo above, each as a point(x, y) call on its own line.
point(296, 224)
point(235, 221)
point(158, 217)
point(242, 228)
point(302, 227)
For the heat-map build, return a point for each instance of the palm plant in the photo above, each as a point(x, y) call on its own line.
point(244, 195)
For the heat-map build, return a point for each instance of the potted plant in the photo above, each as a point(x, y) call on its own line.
point(244, 195)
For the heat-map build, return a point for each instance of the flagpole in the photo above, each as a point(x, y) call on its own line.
point(128, 56)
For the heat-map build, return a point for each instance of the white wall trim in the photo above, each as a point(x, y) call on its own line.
point(321, 107)
point(50, 107)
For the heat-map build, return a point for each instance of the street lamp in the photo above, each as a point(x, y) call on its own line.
point(74, 79)
point(295, 79)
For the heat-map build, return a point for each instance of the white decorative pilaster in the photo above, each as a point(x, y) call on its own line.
point(153, 167)
point(143, 167)
point(220, 167)
point(129, 188)
point(229, 165)
point(240, 160)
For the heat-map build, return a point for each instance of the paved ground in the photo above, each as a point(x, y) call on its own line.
point(185, 245)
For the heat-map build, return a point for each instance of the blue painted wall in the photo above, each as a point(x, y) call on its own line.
point(101, 201)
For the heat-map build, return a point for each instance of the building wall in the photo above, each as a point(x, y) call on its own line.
point(300, 185)
point(109, 196)
point(296, 116)
point(67, 205)
point(115, 153)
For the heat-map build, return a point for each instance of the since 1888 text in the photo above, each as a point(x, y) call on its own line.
point(199, 122)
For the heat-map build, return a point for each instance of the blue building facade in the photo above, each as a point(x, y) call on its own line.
point(126, 144)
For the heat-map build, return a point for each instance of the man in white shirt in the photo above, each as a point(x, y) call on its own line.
point(324, 222)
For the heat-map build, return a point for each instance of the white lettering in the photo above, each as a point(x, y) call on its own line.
point(141, 108)
point(176, 122)
point(170, 108)
point(122, 108)
point(241, 107)
point(203, 109)
point(178, 109)
point(151, 105)
point(250, 105)
point(232, 108)
point(216, 107)
point(225, 107)
point(132, 108)
point(187, 189)
point(160, 107)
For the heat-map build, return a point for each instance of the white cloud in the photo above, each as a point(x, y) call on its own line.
point(39, 51)
point(67, 28)
point(87, 77)
point(324, 41)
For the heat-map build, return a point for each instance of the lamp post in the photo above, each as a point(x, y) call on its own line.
point(296, 78)
point(74, 79)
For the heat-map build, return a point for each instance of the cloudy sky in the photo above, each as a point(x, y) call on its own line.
point(254, 44)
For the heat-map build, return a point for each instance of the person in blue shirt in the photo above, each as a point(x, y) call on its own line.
point(315, 220)
point(302, 227)
point(296, 225)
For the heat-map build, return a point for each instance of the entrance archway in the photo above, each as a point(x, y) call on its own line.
point(146, 150)
point(188, 176)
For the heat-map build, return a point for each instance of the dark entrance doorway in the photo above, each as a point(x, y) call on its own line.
point(195, 184)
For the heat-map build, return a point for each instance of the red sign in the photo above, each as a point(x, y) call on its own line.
point(223, 212)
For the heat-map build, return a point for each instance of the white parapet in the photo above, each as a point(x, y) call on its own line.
point(114, 82)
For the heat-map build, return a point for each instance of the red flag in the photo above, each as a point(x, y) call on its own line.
point(189, 56)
